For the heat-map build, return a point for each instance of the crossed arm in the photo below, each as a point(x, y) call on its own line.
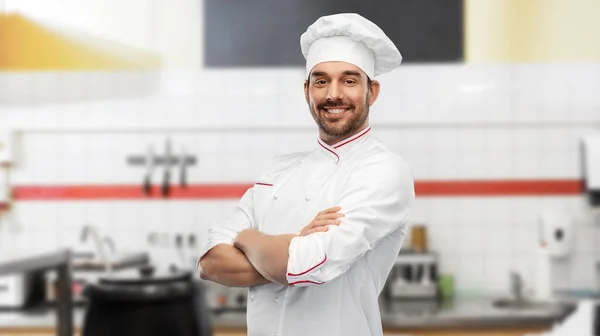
point(228, 266)
point(377, 203)
point(256, 258)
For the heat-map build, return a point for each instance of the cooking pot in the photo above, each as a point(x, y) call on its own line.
point(145, 303)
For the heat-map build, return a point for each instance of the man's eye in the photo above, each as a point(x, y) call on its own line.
point(350, 81)
point(321, 81)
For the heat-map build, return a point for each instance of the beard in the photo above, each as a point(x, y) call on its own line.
point(341, 128)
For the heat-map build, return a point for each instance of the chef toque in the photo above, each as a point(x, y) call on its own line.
point(350, 38)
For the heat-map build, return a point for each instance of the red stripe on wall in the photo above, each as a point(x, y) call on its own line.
point(557, 187)
point(128, 192)
point(499, 188)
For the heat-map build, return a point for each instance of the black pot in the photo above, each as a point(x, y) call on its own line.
point(145, 304)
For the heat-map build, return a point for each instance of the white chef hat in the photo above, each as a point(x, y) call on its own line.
point(351, 38)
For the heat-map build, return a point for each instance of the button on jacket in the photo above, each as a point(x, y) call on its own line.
point(334, 277)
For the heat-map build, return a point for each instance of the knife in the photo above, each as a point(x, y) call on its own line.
point(147, 184)
point(183, 172)
point(166, 187)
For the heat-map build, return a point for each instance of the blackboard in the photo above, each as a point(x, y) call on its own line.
point(267, 32)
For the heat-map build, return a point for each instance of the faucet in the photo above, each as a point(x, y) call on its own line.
point(111, 244)
point(516, 286)
point(88, 230)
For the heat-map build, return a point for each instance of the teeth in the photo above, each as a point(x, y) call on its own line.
point(335, 111)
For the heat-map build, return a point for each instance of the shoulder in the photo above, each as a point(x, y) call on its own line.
point(377, 155)
point(381, 168)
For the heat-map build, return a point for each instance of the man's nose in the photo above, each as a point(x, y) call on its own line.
point(335, 92)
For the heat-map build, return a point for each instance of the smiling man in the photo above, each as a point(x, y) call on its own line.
point(316, 237)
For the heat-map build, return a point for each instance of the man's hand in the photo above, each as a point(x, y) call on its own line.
point(322, 220)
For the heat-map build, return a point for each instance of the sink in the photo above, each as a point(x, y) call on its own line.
point(525, 304)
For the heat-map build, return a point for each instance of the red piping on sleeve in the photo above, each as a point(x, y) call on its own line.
point(310, 269)
point(306, 281)
point(264, 184)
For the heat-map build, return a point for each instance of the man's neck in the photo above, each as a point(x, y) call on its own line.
point(333, 140)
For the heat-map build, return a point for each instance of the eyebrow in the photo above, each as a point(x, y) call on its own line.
point(351, 73)
point(346, 73)
point(318, 73)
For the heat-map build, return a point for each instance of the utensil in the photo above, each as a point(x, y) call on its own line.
point(180, 248)
point(147, 184)
point(183, 172)
point(192, 242)
point(166, 186)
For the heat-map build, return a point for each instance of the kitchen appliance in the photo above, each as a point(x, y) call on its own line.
point(14, 290)
point(21, 290)
point(145, 303)
point(414, 276)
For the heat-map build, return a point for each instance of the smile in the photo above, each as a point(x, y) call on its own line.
point(335, 110)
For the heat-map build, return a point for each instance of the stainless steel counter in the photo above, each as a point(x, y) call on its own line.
point(59, 261)
point(470, 313)
point(479, 313)
point(461, 313)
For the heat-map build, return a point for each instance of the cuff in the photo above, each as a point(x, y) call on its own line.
point(306, 258)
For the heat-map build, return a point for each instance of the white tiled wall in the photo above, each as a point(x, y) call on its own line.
point(449, 121)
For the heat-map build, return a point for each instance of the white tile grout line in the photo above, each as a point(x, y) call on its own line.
point(287, 128)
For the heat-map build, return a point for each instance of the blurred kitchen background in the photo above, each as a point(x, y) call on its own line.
point(129, 127)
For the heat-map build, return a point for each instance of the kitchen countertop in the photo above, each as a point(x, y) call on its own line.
point(461, 313)
point(33, 261)
point(474, 313)
point(470, 314)
point(35, 318)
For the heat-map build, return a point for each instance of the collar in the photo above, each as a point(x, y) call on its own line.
point(343, 147)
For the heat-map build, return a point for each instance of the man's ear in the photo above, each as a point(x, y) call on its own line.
point(374, 91)
point(306, 91)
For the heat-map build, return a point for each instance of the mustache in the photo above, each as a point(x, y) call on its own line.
point(332, 104)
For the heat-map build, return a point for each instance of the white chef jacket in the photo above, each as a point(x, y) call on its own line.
point(335, 277)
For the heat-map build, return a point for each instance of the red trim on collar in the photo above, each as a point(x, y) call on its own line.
point(344, 142)
point(354, 138)
point(329, 150)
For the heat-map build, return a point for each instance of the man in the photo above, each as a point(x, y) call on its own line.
point(316, 237)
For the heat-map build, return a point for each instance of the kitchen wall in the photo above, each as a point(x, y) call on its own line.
point(451, 122)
